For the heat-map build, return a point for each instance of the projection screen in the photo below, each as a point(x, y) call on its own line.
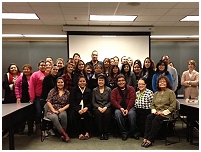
point(135, 45)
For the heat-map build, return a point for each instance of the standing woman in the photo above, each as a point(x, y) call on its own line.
point(22, 93)
point(80, 101)
point(129, 75)
point(142, 104)
point(68, 76)
point(161, 70)
point(114, 72)
point(163, 104)
point(106, 66)
point(58, 103)
point(48, 67)
point(92, 82)
point(49, 82)
point(79, 70)
point(88, 71)
point(9, 82)
point(35, 91)
point(190, 81)
point(147, 72)
point(101, 106)
point(60, 63)
point(137, 67)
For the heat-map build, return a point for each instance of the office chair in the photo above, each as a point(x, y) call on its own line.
point(171, 123)
point(46, 123)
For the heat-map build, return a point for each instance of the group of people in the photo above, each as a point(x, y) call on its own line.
point(139, 96)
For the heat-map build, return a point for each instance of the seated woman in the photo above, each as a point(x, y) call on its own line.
point(80, 100)
point(163, 104)
point(58, 103)
point(101, 106)
point(142, 104)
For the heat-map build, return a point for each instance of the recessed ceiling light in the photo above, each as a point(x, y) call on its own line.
point(111, 18)
point(19, 16)
point(190, 18)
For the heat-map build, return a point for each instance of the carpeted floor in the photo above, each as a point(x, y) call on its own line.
point(33, 142)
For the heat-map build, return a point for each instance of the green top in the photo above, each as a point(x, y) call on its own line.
point(165, 102)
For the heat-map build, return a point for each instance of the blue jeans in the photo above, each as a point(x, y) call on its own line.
point(39, 104)
point(131, 116)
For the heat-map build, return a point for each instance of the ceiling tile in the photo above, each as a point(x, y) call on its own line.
point(10, 22)
point(47, 10)
point(170, 18)
point(33, 22)
point(77, 23)
point(44, 4)
point(129, 11)
point(154, 11)
point(103, 4)
point(50, 17)
point(102, 11)
point(161, 5)
point(74, 4)
point(147, 18)
point(77, 17)
point(187, 5)
point(180, 11)
point(19, 9)
point(74, 11)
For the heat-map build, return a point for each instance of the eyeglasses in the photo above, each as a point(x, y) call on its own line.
point(162, 82)
point(141, 84)
point(120, 80)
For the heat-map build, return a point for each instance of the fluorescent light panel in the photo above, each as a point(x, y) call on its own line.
point(190, 18)
point(174, 36)
point(27, 35)
point(111, 18)
point(58, 36)
point(19, 16)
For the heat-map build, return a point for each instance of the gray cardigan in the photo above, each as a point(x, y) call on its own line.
point(101, 99)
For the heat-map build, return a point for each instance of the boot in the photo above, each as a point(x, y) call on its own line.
point(64, 136)
point(38, 130)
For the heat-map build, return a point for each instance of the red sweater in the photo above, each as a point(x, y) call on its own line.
point(116, 98)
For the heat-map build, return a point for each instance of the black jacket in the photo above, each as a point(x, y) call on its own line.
point(76, 96)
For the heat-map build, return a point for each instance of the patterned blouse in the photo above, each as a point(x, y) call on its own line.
point(56, 100)
point(143, 100)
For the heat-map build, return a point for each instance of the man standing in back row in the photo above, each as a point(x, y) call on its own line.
point(172, 71)
point(94, 59)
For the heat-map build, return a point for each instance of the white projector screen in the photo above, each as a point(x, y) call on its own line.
point(134, 46)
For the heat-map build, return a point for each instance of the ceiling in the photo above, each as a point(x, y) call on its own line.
point(77, 13)
point(150, 14)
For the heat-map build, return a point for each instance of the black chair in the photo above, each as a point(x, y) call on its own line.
point(170, 125)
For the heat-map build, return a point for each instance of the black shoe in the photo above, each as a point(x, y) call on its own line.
point(143, 143)
point(146, 145)
point(124, 137)
point(101, 136)
point(106, 136)
point(136, 136)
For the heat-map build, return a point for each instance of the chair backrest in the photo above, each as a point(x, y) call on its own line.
point(176, 113)
point(177, 105)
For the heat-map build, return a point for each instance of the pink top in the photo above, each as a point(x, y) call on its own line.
point(35, 84)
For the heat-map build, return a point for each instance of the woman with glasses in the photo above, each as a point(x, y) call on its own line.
point(163, 104)
point(161, 70)
point(142, 104)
